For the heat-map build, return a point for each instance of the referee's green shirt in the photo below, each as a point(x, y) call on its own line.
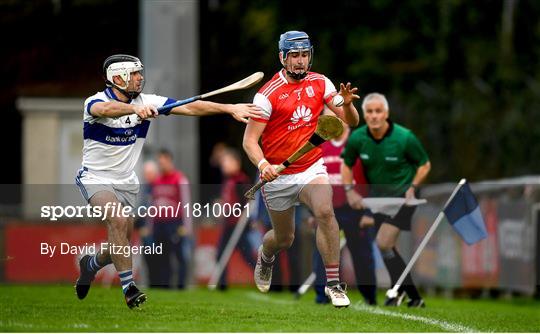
point(390, 163)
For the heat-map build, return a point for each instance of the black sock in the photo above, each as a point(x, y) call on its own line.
point(395, 266)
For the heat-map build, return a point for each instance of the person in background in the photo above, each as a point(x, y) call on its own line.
point(172, 232)
point(395, 164)
point(235, 183)
point(143, 225)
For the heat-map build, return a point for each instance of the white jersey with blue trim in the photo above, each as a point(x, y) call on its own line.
point(112, 146)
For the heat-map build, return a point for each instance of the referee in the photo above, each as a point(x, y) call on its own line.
point(395, 163)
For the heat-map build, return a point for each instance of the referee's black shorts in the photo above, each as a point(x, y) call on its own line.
point(401, 220)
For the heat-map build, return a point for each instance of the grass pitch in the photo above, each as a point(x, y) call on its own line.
point(55, 308)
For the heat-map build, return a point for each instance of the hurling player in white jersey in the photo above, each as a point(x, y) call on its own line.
point(116, 123)
point(292, 101)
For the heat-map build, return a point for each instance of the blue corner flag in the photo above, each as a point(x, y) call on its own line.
point(463, 213)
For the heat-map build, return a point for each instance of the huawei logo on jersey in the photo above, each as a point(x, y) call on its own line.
point(301, 113)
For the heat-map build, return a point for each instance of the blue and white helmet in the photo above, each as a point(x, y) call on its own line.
point(295, 41)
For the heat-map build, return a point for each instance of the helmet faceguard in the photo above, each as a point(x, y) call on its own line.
point(295, 41)
point(122, 66)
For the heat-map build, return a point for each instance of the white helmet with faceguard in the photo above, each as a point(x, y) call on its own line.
point(295, 41)
point(123, 66)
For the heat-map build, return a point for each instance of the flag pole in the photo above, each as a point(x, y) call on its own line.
point(393, 293)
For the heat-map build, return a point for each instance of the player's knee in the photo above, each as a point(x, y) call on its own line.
point(325, 213)
point(384, 245)
point(285, 241)
point(119, 223)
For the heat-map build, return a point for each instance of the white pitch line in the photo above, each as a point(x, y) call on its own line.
point(17, 324)
point(440, 323)
point(451, 327)
point(29, 325)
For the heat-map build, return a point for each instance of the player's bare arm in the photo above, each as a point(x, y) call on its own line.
point(240, 112)
point(252, 148)
point(419, 177)
point(347, 112)
point(118, 109)
point(353, 197)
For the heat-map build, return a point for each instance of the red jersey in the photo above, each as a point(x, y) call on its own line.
point(331, 152)
point(291, 111)
point(167, 191)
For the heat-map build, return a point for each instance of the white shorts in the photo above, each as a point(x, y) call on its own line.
point(125, 189)
point(283, 192)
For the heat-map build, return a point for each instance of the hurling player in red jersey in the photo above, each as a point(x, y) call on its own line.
point(292, 102)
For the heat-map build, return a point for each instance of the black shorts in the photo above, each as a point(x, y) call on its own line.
point(347, 216)
point(401, 220)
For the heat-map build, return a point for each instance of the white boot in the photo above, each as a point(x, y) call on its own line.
point(338, 295)
point(263, 273)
